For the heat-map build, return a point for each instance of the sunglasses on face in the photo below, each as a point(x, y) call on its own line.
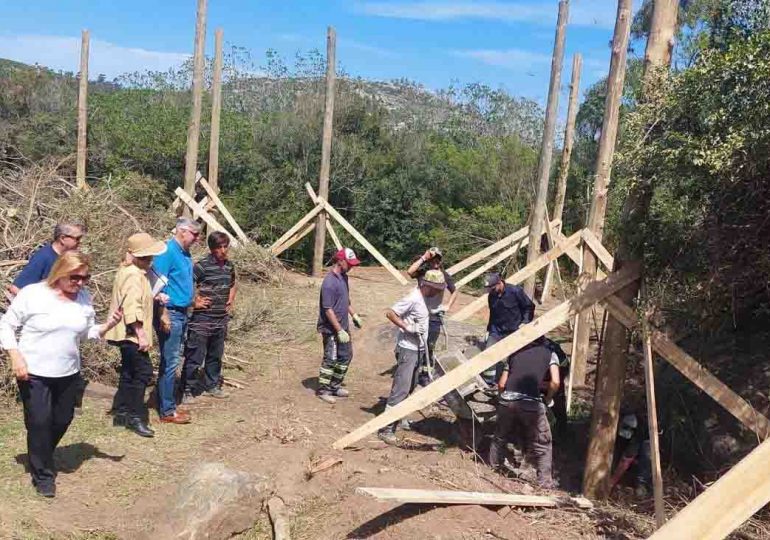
point(80, 278)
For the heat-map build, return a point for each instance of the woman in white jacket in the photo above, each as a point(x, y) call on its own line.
point(54, 316)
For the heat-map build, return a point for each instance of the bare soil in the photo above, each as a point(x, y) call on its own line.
point(113, 484)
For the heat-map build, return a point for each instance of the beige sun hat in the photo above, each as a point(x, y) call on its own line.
point(144, 245)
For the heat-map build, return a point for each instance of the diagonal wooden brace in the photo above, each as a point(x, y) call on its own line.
point(593, 293)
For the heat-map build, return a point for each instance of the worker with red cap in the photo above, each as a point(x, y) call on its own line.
point(334, 314)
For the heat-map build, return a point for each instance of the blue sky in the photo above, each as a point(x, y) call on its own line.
point(506, 44)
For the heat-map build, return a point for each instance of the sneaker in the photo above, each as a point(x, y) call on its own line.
point(217, 392)
point(341, 392)
point(388, 437)
point(177, 417)
point(188, 399)
point(327, 397)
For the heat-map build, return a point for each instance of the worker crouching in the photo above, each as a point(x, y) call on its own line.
point(521, 412)
point(411, 316)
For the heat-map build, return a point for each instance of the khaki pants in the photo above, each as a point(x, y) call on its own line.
point(525, 422)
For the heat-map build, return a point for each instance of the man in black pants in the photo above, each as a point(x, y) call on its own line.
point(215, 281)
point(521, 413)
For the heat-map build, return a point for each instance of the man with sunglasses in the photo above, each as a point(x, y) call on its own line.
point(176, 266)
point(66, 237)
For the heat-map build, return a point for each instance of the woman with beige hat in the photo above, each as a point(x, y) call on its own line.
point(132, 291)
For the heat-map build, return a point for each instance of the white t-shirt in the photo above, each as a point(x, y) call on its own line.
point(51, 329)
point(412, 310)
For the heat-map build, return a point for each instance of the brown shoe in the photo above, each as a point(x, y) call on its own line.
point(178, 417)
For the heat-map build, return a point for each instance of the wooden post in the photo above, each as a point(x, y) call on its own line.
point(326, 149)
point(615, 81)
point(80, 174)
point(569, 137)
point(546, 148)
point(216, 110)
point(194, 128)
point(652, 423)
point(723, 507)
point(612, 364)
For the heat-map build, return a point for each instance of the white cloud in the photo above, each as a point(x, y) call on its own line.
point(596, 13)
point(508, 58)
point(63, 53)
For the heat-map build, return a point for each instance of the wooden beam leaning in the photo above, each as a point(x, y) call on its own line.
point(722, 508)
point(489, 264)
point(297, 226)
point(430, 496)
point(329, 227)
point(557, 316)
point(531, 269)
point(293, 240)
point(601, 252)
point(222, 208)
point(652, 424)
point(489, 250)
point(204, 215)
point(363, 241)
point(693, 370)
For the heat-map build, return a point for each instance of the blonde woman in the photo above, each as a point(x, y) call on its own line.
point(54, 316)
point(133, 334)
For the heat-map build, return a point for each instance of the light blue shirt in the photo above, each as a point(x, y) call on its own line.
point(177, 265)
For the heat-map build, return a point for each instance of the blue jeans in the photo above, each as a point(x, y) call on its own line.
point(170, 352)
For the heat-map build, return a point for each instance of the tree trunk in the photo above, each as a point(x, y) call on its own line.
point(194, 128)
point(216, 110)
point(611, 370)
point(80, 174)
point(569, 138)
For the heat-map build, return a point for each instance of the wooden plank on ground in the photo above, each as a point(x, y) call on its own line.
point(297, 226)
point(557, 316)
point(222, 208)
point(695, 372)
point(294, 239)
point(532, 268)
point(363, 241)
point(723, 507)
point(652, 423)
point(430, 496)
point(329, 227)
point(204, 215)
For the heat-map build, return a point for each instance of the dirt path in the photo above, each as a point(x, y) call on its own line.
point(116, 485)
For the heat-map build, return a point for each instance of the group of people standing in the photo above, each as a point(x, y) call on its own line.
point(526, 381)
point(158, 293)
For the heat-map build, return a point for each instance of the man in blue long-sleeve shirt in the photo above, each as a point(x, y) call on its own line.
point(509, 308)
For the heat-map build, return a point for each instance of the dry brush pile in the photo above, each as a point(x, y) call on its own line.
point(34, 197)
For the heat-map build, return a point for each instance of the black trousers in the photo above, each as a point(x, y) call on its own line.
point(135, 375)
point(49, 405)
point(203, 350)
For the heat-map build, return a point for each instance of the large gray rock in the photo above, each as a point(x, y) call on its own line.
point(214, 503)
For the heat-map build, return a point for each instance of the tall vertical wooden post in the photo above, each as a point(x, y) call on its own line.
point(569, 137)
point(610, 374)
point(194, 128)
point(216, 110)
point(80, 174)
point(546, 149)
point(326, 150)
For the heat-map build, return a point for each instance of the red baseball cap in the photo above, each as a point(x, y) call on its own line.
point(348, 255)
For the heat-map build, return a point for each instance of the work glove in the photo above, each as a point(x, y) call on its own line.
point(343, 336)
point(440, 310)
point(357, 320)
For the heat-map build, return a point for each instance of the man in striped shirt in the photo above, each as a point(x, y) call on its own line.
point(215, 294)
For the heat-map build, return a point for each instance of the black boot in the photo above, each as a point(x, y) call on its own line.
point(138, 426)
point(119, 418)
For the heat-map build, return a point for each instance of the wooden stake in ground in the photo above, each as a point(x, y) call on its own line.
point(569, 138)
point(194, 128)
point(615, 81)
point(546, 148)
point(652, 423)
point(721, 509)
point(83, 111)
point(326, 150)
point(612, 364)
point(216, 110)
